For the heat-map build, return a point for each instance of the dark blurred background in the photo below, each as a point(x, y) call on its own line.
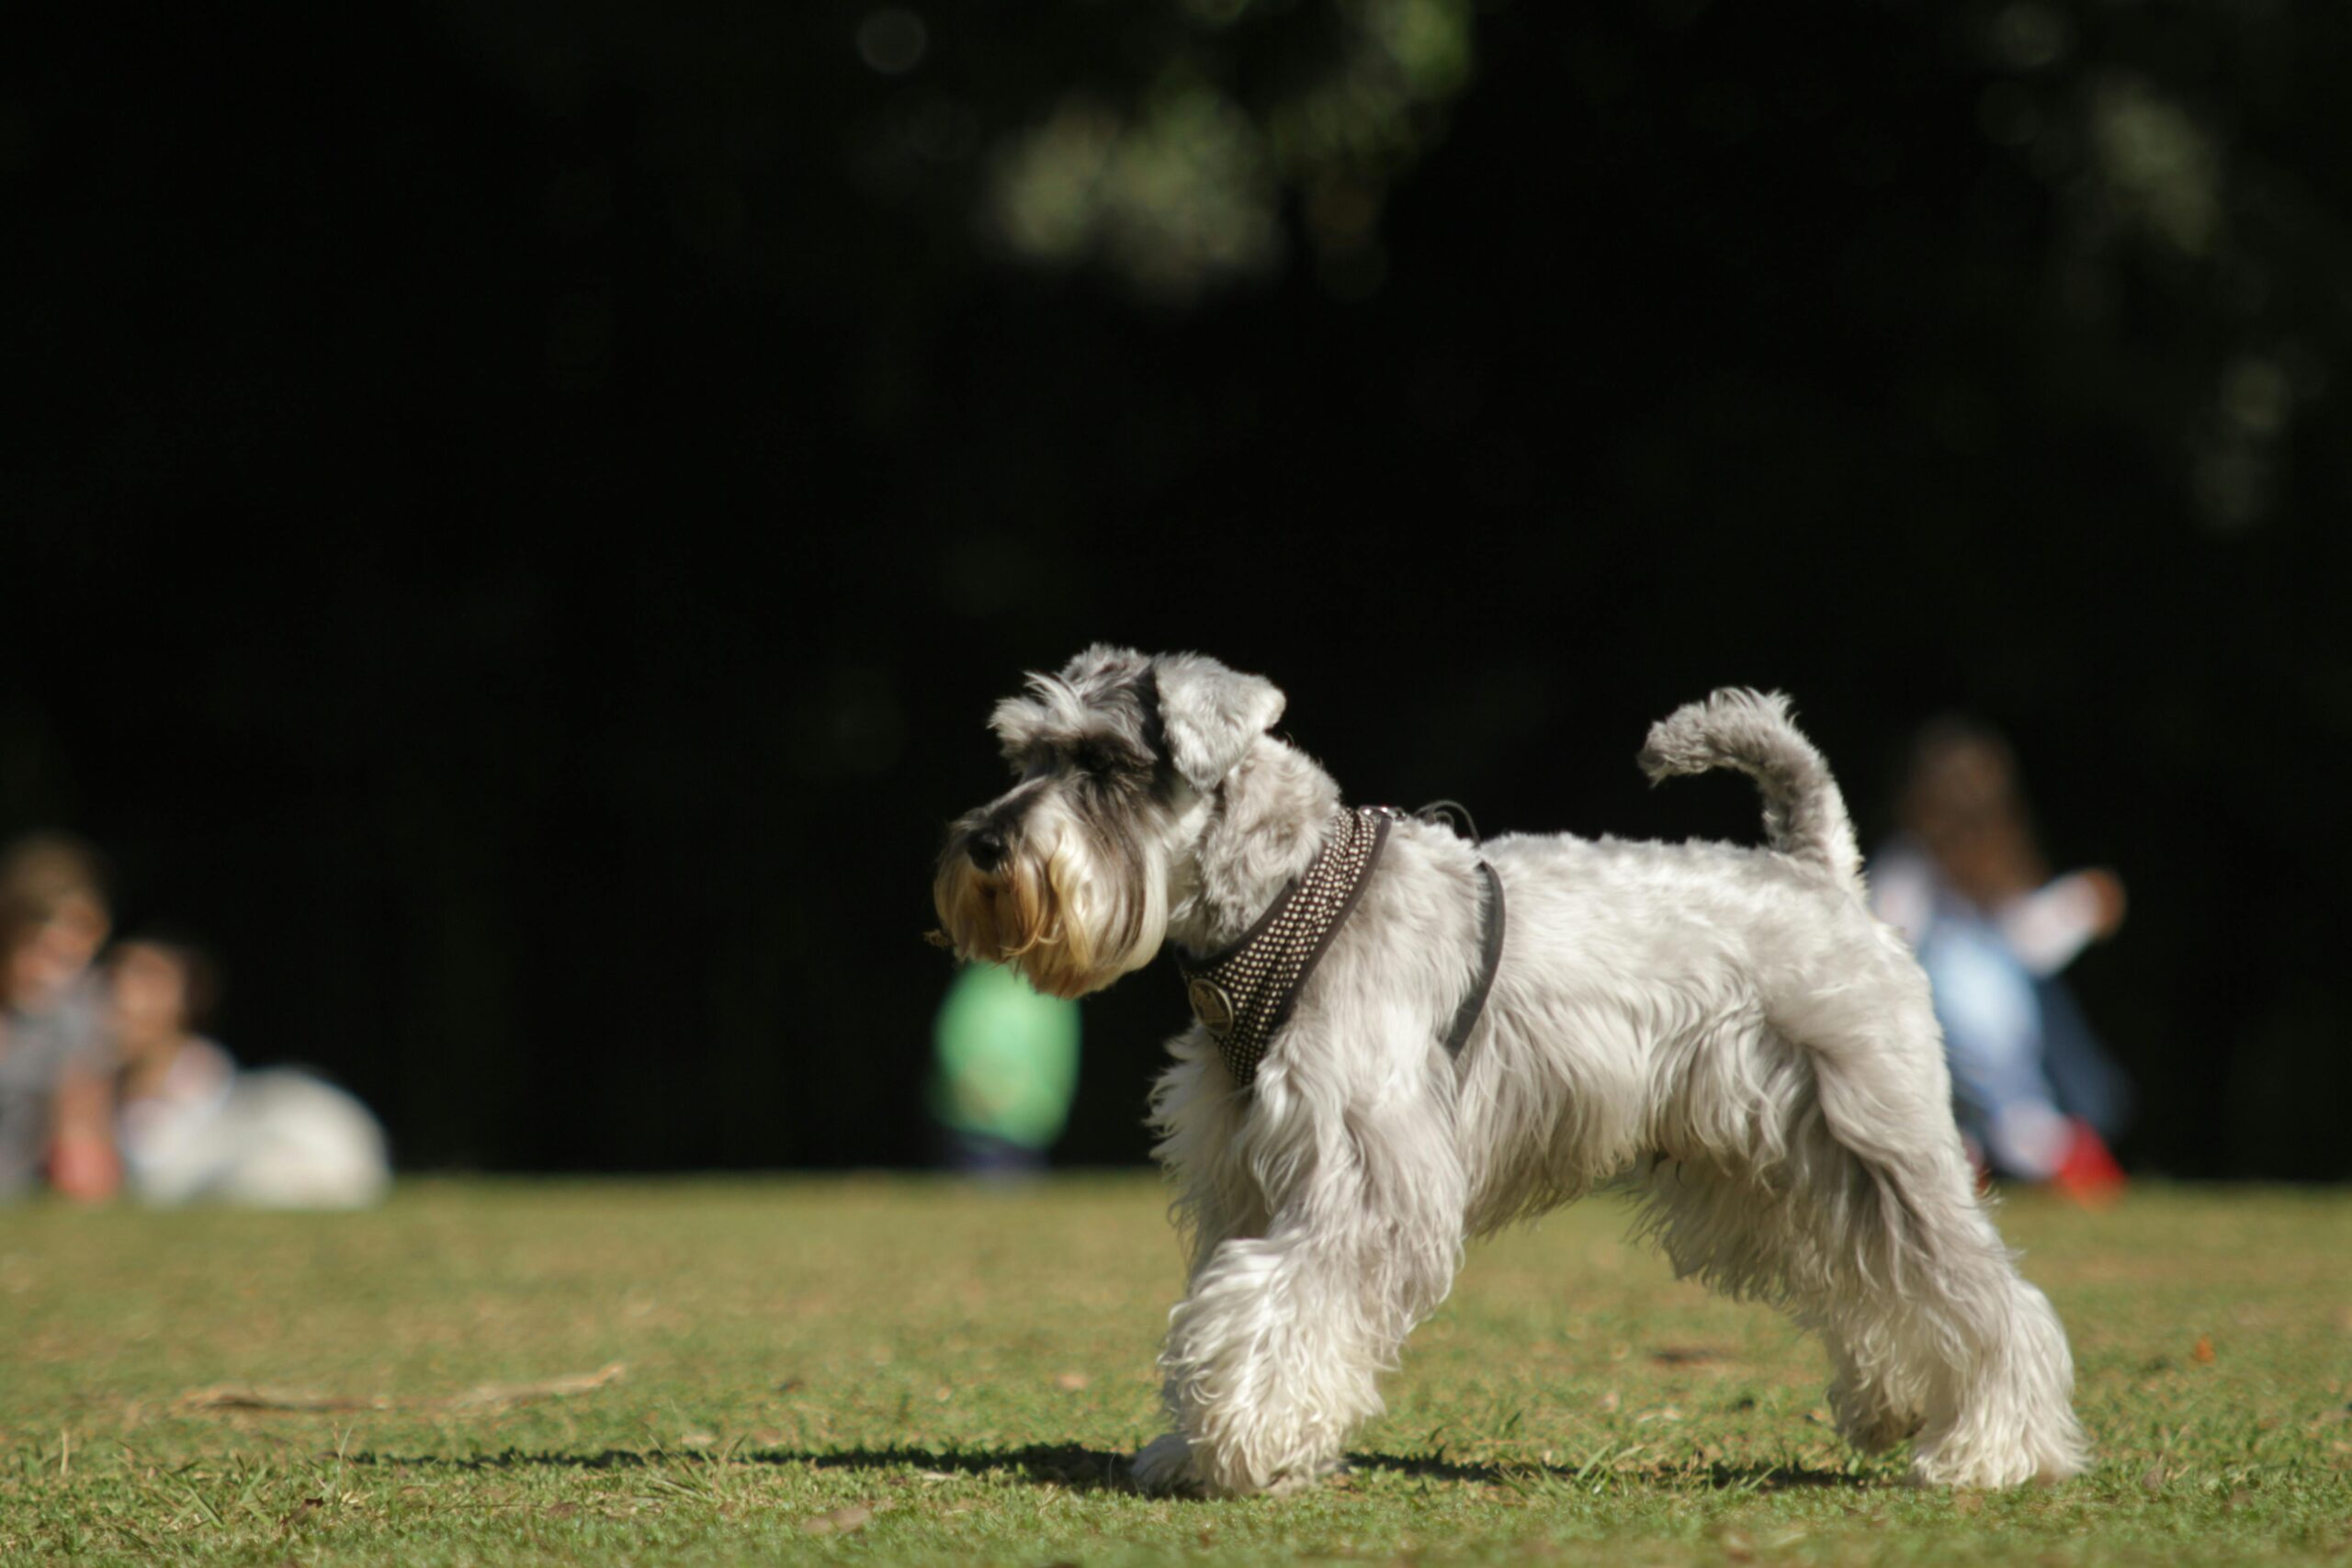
point(512, 514)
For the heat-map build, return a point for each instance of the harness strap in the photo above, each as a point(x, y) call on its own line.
point(1490, 922)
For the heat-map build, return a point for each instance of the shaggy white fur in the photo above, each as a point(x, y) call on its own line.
point(1727, 1031)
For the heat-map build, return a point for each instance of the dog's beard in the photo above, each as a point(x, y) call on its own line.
point(1067, 920)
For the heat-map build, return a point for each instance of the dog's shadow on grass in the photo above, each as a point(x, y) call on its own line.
point(1056, 1464)
point(1080, 1469)
point(1716, 1477)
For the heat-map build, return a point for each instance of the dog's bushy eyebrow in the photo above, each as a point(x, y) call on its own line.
point(1107, 725)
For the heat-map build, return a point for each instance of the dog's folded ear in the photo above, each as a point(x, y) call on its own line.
point(1211, 714)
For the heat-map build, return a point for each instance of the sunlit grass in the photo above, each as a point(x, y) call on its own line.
point(890, 1371)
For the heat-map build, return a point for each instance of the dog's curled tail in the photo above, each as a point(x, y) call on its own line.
point(1804, 814)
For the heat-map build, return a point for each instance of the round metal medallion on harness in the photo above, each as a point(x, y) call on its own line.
point(1211, 1006)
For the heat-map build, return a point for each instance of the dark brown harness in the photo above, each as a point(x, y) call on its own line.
point(1244, 995)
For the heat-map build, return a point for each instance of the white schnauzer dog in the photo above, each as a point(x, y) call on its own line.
point(1384, 1063)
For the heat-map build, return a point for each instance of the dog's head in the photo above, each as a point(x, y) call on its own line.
point(1118, 759)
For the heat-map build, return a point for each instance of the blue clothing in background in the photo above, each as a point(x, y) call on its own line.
point(2023, 1059)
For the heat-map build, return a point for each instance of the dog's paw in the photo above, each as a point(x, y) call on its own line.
point(1990, 1469)
point(1165, 1466)
point(1291, 1483)
point(1867, 1422)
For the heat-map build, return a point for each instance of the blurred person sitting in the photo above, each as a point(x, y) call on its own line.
point(2038, 1097)
point(192, 1128)
point(1007, 1069)
point(55, 1105)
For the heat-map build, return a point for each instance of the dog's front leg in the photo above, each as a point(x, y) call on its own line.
point(1273, 1355)
point(1199, 1120)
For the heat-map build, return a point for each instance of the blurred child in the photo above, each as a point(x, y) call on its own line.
point(193, 1128)
point(1965, 882)
point(1007, 1071)
point(54, 1100)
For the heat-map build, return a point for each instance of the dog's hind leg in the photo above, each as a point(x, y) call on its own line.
point(1750, 1238)
point(1273, 1356)
point(1844, 1197)
point(1981, 1344)
point(1875, 1395)
point(1906, 1273)
point(1947, 1343)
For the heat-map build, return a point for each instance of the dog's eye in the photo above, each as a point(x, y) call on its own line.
point(1095, 759)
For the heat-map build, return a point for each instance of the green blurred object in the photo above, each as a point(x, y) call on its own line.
point(1008, 1059)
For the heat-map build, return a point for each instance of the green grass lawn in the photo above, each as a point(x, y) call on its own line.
point(894, 1369)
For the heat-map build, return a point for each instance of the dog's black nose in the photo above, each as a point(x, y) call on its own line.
point(986, 847)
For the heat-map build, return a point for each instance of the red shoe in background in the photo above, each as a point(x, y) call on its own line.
point(2088, 1174)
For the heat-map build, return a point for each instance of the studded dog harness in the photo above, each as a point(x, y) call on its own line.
point(1243, 994)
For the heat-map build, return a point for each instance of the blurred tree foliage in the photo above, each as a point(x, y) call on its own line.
point(510, 512)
